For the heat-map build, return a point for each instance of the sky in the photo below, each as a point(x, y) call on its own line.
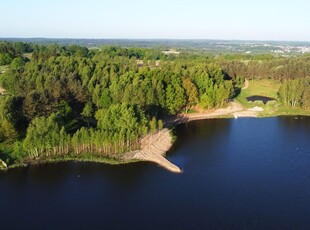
point(161, 19)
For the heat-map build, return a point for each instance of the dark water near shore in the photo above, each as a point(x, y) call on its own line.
point(238, 174)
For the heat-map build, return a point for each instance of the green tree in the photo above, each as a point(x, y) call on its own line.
point(7, 131)
point(306, 97)
point(191, 93)
point(175, 98)
point(153, 125)
point(88, 112)
point(291, 92)
point(105, 99)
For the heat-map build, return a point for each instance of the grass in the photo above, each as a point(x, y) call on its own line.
point(267, 88)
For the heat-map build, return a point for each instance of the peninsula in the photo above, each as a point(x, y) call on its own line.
point(116, 105)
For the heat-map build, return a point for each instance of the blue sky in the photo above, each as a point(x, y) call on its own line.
point(192, 19)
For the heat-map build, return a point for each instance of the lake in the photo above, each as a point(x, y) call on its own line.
point(237, 174)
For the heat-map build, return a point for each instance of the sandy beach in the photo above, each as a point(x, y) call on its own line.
point(234, 109)
point(153, 149)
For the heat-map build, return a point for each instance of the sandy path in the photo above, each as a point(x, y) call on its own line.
point(153, 147)
point(234, 109)
point(246, 84)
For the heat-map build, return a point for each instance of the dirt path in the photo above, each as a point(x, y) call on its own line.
point(232, 108)
point(235, 109)
point(153, 148)
point(246, 84)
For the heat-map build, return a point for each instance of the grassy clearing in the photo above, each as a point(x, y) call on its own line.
point(28, 55)
point(267, 88)
point(288, 111)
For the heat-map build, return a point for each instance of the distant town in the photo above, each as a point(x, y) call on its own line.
point(175, 46)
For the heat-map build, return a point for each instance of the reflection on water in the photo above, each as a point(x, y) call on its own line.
point(238, 174)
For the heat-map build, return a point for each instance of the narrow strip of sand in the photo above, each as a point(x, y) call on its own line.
point(153, 148)
point(234, 109)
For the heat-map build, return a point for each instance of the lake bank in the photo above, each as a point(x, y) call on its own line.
point(233, 110)
point(154, 146)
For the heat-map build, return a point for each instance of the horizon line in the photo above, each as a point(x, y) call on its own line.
point(156, 39)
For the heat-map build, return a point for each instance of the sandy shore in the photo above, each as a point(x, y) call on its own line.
point(153, 148)
point(234, 109)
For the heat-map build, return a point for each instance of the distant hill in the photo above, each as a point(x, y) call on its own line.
point(214, 46)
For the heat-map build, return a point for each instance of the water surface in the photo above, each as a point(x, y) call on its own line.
point(238, 174)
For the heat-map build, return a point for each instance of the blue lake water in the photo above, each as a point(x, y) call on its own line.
point(237, 174)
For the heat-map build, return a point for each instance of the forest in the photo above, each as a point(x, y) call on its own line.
point(71, 100)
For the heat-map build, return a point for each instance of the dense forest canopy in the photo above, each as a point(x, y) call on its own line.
point(71, 100)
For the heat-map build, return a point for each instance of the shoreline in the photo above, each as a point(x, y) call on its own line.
point(154, 146)
point(233, 110)
point(67, 158)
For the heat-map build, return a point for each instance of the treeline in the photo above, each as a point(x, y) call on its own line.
point(295, 93)
point(278, 68)
point(119, 129)
point(74, 100)
point(292, 72)
point(9, 51)
point(138, 53)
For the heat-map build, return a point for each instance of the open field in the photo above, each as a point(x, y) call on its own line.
point(267, 88)
point(28, 55)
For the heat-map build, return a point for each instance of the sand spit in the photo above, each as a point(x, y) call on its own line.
point(153, 148)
